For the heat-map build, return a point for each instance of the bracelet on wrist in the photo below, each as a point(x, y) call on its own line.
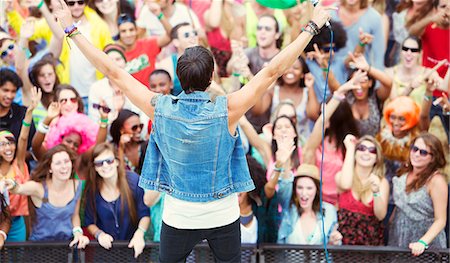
point(77, 229)
point(142, 229)
point(160, 16)
point(42, 128)
point(361, 44)
point(428, 98)
point(376, 194)
point(314, 26)
point(26, 124)
point(278, 169)
point(325, 70)
point(70, 28)
point(40, 4)
point(103, 120)
point(74, 32)
point(423, 243)
point(98, 233)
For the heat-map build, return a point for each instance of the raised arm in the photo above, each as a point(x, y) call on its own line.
point(418, 28)
point(138, 93)
point(316, 135)
point(37, 144)
point(164, 39)
point(242, 100)
point(56, 41)
point(21, 151)
point(21, 62)
point(253, 138)
point(344, 178)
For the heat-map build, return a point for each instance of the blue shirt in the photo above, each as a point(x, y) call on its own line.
point(109, 216)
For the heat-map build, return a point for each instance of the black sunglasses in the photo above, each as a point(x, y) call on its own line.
point(413, 50)
point(422, 152)
point(98, 107)
point(100, 163)
point(135, 127)
point(72, 3)
point(267, 28)
point(5, 52)
point(364, 148)
point(327, 48)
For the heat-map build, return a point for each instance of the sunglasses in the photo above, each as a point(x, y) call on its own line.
point(100, 163)
point(422, 152)
point(327, 48)
point(98, 107)
point(137, 126)
point(364, 148)
point(413, 50)
point(65, 100)
point(267, 28)
point(190, 34)
point(72, 3)
point(5, 52)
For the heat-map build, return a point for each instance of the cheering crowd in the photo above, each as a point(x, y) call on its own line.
point(73, 139)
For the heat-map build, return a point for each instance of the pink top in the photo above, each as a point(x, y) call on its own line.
point(348, 202)
point(332, 164)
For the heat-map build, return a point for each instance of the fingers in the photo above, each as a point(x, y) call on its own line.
point(316, 48)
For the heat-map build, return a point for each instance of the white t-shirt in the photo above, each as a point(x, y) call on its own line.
point(202, 215)
point(82, 72)
point(249, 234)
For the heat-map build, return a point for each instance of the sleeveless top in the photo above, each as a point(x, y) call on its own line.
point(399, 87)
point(54, 223)
point(371, 125)
point(414, 215)
point(18, 203)
point(347, 201)
point(304, 124)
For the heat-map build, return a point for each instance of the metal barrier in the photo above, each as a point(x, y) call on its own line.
point(37, 252)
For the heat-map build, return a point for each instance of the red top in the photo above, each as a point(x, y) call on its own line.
point(435, 43)
point(348, 202)
point(141, 60)
point(217, 40)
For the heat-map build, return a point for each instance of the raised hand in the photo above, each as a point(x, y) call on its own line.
point(350, 142)
point(27, 29)
point(318, 56)
point(62, 13)
point(365, 38)
point(154, 7)
point(358, 61)
point(125, 138)
point(53, 110)
point(321, 15)
point(353, 83)
point(375, 182)
point(309, 80)
point(285, 147)
point(36, 95)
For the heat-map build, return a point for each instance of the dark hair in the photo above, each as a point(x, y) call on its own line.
point(437, 162)
point(125, 18)
point(160, 71)
point(195, 68)
point(279, 41)
point(36, 69)
point(258, 175)
point(342, 123)
point(294, 199)
point(4, 210)
point(294, 156)
point(94, 183)
point(174, 31)
point(7, 75)
point(419, 14)
point(117, 124)
point(324, 38)
point(419, 42)
point(62, 87)
point(305, 70)
point(115, 48)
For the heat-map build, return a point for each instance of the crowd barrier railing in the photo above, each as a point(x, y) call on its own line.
point(57, 252)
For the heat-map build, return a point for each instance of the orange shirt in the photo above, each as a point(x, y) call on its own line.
point(19, 203)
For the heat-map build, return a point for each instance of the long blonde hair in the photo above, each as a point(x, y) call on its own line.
point(363, 190)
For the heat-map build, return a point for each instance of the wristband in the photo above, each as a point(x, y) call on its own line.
point(5, 236)
point(142, 229)
point(235, 74)
point(103, 125)
point(423, 243)
point(26, 124)
point(77, 229)
point(339, 97)
point(377, 194)
point(309, 31)
point(40, 4)
point(42, 128)
point(160, 16)
point(70, 28)
point(98, 233)
point(325, 69)
point(103, 120)
point(428, 98)
point(314, 27)
point(362, 44)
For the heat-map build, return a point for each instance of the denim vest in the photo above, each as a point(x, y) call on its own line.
point(191, 154)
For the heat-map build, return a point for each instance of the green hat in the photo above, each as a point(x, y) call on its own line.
point(279, 4)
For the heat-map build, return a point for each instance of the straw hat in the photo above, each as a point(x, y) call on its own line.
point(308, 170)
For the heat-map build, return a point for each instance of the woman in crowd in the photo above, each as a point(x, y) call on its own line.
point(13, 166)
point(55, 197)
point(114, 203)
point(295, 84)
point(364, 192)
point(301, 223)
point(339, 122)
point(126, 133)
point(110, 11)
point(104, 91)
point(421, 195)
